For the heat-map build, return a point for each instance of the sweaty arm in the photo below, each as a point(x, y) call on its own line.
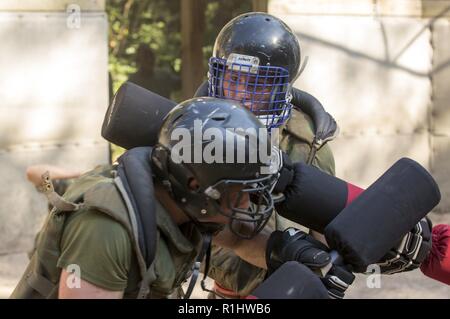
point(99, 250)
point(86, 290)
point(35, 172)
point(252, 250)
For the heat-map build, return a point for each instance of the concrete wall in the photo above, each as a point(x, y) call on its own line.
point(51, 5)
point(440, 108)
point(382, 68)
point(53, 95)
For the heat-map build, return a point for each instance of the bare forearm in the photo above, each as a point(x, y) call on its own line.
point(320, 237)
point(35, 172)
point(252, 250)
point(85, 290)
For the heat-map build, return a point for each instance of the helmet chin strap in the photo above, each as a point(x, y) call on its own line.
point(207, 230)
point(205, 250)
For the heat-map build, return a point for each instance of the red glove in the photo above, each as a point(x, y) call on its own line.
point(437, 264)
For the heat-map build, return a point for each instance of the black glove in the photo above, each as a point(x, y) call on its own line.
point(286, 175)
point(295, 245)
point(410, 252)
point(337, 280)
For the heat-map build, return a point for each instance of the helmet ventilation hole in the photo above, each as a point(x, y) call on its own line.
point(219, 117)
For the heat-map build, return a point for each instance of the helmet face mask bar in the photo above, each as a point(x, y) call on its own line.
point(247, 203)
point(264, 90)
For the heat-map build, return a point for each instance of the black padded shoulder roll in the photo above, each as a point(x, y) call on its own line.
point(377, 220)
point(135, 116)
point(135, 172)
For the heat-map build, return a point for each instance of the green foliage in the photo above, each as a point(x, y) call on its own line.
point(157, 24)
point(152, 22)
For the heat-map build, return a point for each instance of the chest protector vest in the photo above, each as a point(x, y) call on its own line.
point(124, 193)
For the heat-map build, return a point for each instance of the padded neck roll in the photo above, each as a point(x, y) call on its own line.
point(135, 116)
point(377, 220)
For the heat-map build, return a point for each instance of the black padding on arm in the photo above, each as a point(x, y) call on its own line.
point(134, 117)
point(314, 198)
point(376, 221)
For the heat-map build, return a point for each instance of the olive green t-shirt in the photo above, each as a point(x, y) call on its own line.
point(102, 248)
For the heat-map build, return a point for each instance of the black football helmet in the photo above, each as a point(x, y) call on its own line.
point(256, 59)
point(225, 149)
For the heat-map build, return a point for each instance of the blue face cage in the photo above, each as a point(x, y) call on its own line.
point(264, 90)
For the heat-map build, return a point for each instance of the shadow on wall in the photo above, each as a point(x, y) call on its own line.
point(379, 85)
point(390, 60)
point(53, 93)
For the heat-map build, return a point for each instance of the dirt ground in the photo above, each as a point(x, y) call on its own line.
point(406, 285)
